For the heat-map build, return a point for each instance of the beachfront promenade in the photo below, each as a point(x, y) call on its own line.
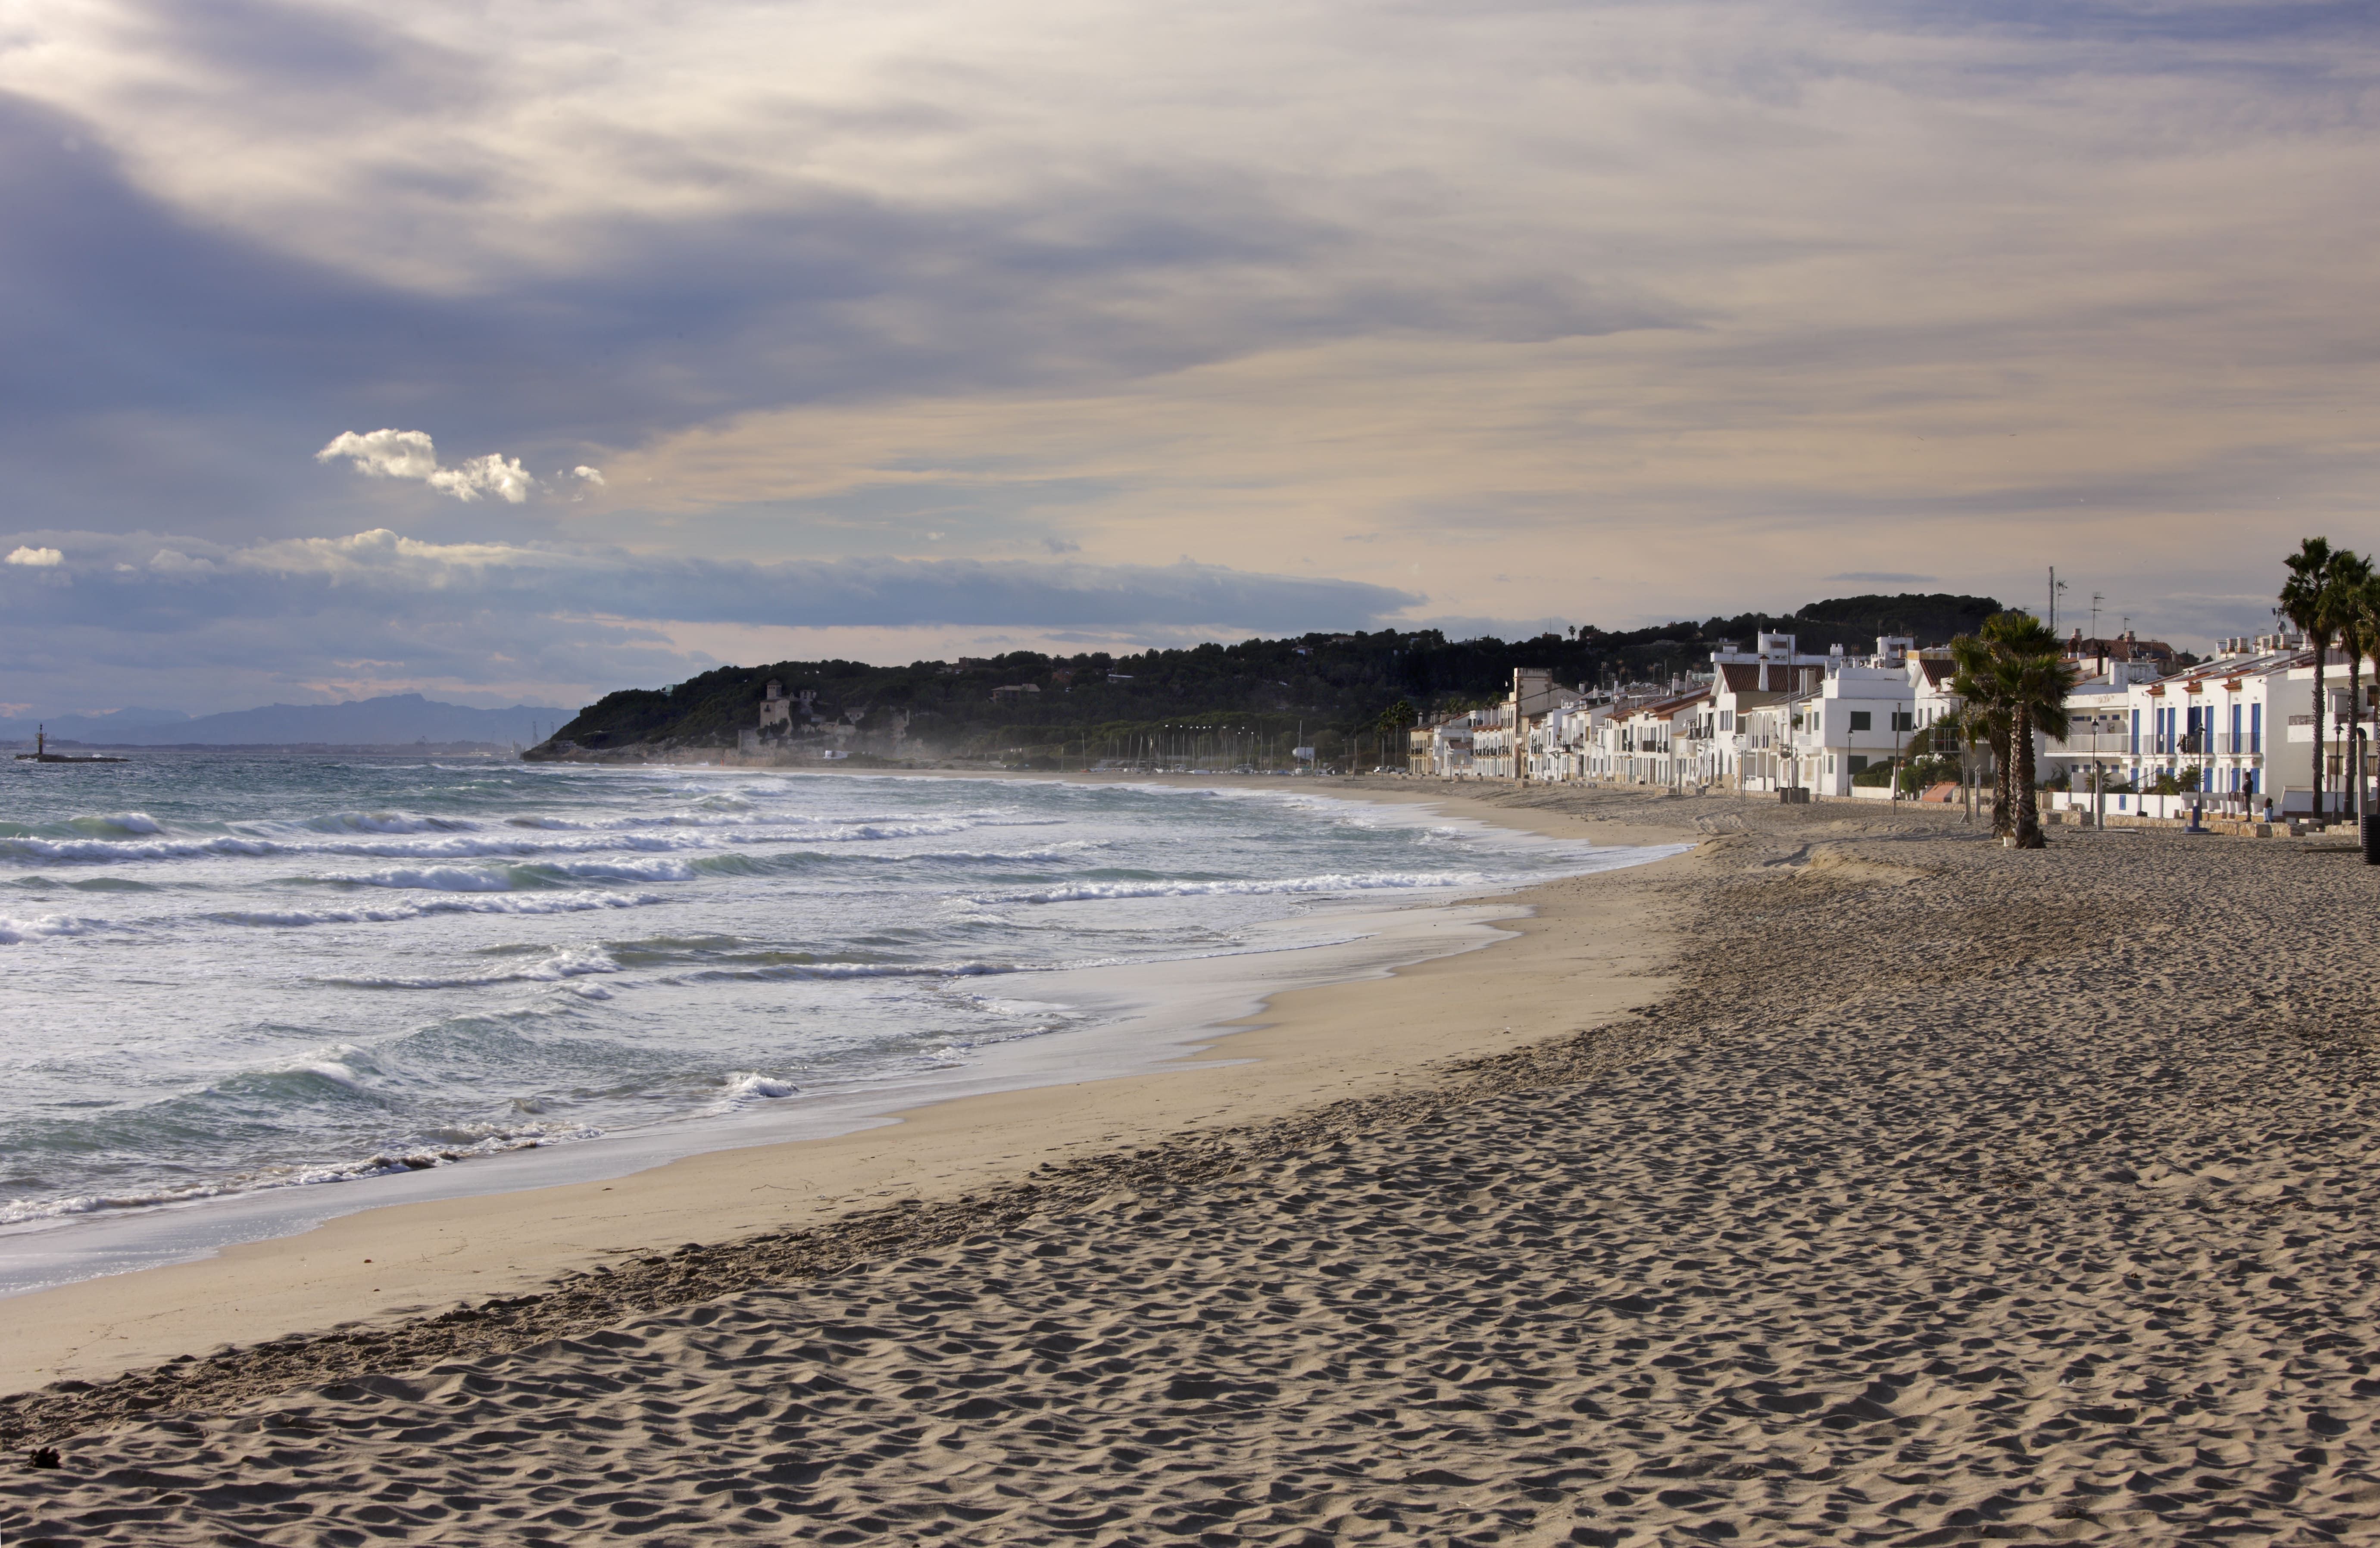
point(1930, 1192)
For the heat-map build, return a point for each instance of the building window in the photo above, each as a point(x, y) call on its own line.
point(1859, 763)
point(1860, 720)
point(1904, 720)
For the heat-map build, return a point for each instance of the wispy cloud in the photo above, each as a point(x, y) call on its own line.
point(234, 621)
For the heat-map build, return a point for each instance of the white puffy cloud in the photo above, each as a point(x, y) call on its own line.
point(385, 454)
point(500, 476)
point(411, 455)
point(592, 475)
point(38, 559)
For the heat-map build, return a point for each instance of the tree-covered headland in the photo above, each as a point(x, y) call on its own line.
point(1242, 703)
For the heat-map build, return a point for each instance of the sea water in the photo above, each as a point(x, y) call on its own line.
point(227, 974)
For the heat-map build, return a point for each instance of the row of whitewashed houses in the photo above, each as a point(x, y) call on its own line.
point(1777, 718)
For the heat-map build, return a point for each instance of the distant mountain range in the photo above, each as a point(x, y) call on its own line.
point(395, 720)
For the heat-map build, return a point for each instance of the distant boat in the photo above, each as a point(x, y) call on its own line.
point(42, 754)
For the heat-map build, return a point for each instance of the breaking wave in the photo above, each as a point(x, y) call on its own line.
point(396, 1163)
point(563, 902)
point(554, 969)
point(1088, 891)
point(507, 878)
point(50, 927)
point(351, 969)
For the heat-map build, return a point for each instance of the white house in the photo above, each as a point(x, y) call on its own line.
point(2238, 729)
point(1450, 747)
point(1742, 682)
point(1862, 715)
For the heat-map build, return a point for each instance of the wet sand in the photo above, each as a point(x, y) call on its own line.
point(1930, 1192)
point(385, 1268)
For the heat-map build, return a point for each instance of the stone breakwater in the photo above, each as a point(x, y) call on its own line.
point(1956, 1195)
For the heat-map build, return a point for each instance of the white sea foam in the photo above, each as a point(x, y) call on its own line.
point(457, 846)
point(778, 957)
point(50, 927)
point(27, 1212)
point(119, 822)
point(387, 822)
point(28, 848)
point(441, 879)
point(621, 870)
point(470, 879)
point(1088, 891)
point(565, 963)
point(529, 904)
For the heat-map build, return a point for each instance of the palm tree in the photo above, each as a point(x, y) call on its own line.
point(2348, 571)
point(1394, 719)
point(2016, 679)
point(2307, 601)
point(1982, 718)
point(2039, 681)
point(2360, 616)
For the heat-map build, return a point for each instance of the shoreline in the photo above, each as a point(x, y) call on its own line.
point(1921, 1207)
point(386, 1263)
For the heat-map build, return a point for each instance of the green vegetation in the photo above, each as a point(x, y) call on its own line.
point(2310, 599)
point(2333, 596)
point(1352, 695)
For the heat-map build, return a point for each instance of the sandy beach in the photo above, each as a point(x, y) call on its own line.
point(1848, 1180)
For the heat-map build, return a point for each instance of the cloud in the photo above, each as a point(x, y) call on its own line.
point(1658, 310)
point(410, 455)
point(382, 610)
point(426, 578)
point(38, 559)
point(592, 475)
point(385, 454)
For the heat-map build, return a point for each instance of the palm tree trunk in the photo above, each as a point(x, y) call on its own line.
point(2003, 766)
point(2321, 649)
point(2354, 761)
point(2028, 815)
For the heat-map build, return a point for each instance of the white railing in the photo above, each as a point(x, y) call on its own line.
point(2189, 745)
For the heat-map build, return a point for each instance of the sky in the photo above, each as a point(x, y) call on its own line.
point(510, 352)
